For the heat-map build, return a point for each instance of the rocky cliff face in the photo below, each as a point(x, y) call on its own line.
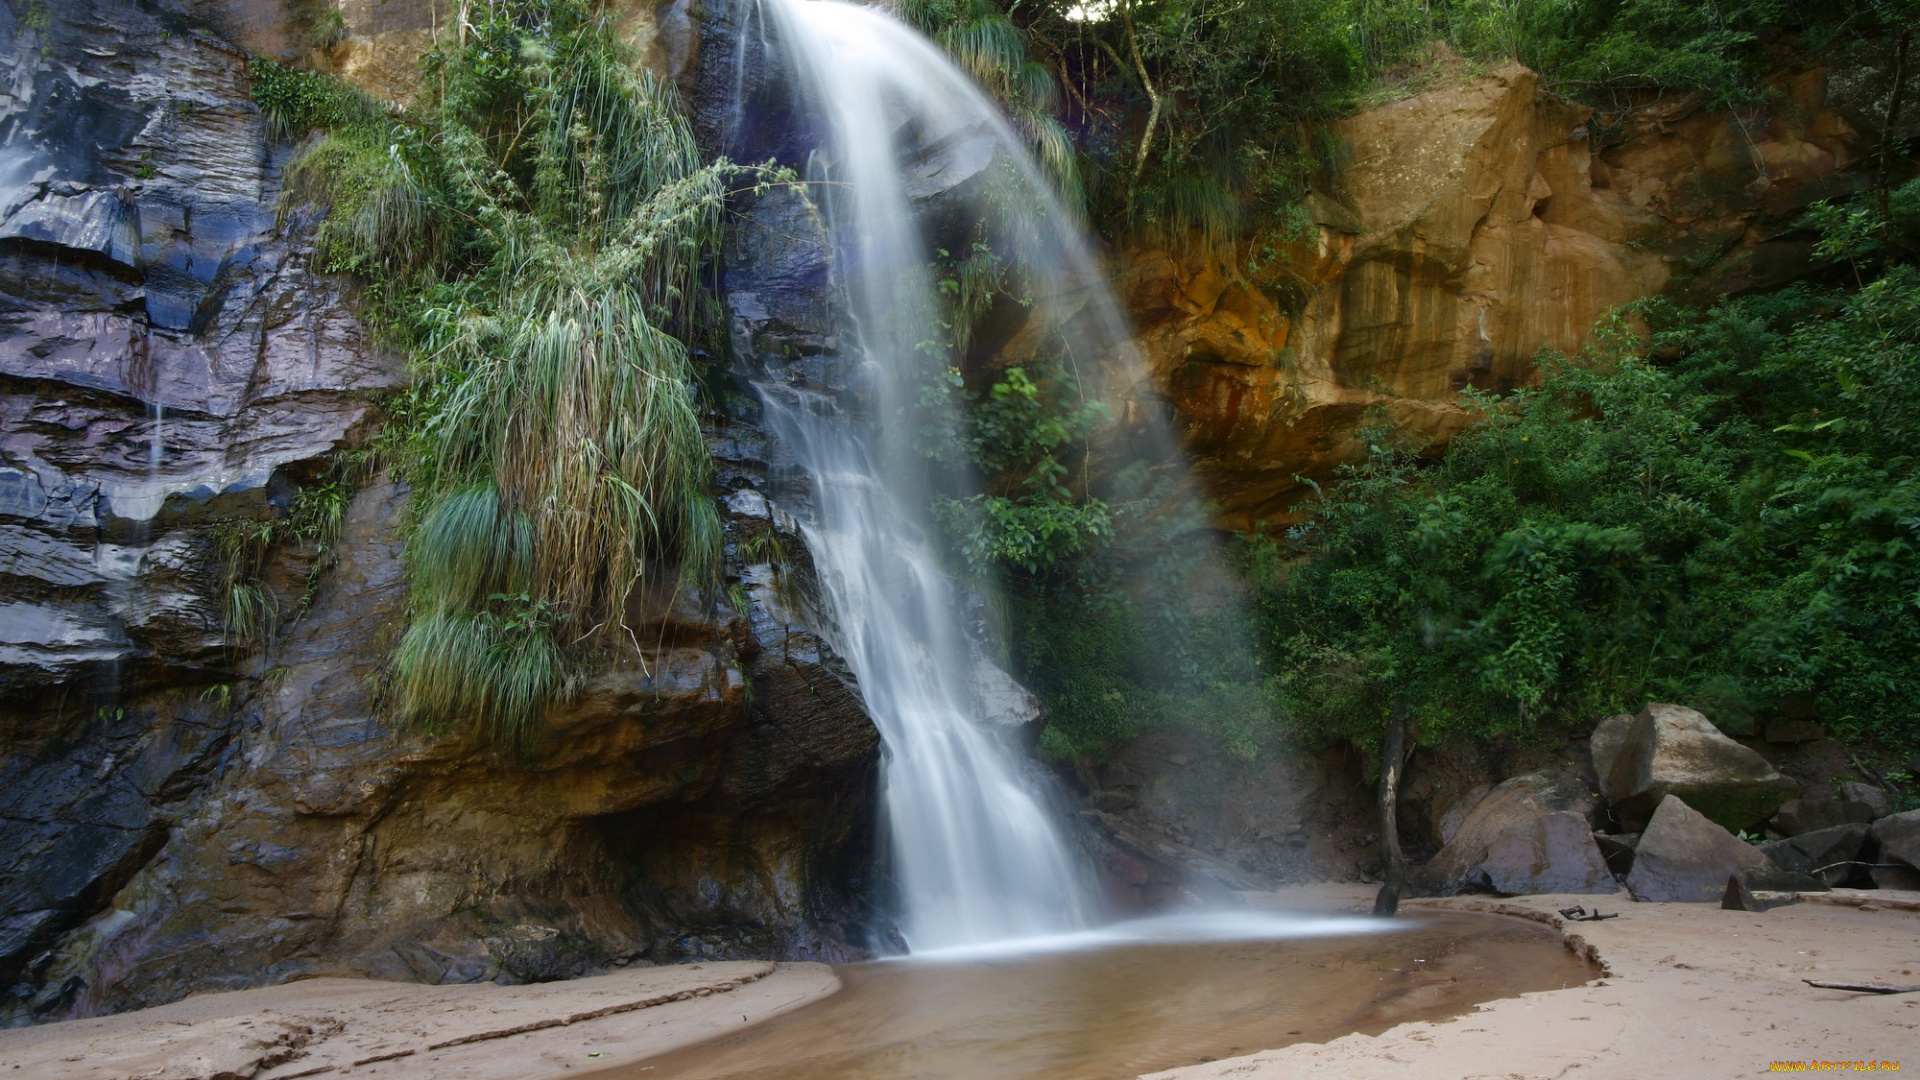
point(188, 811)
point(1464, 229)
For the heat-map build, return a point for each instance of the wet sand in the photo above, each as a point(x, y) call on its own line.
point(1120, 1010)
point(1690, 990)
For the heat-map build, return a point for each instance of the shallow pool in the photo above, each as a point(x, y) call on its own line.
point(1135, 998)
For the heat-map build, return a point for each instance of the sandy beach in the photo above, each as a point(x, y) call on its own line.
point(1690, 988)
point(367, 1028)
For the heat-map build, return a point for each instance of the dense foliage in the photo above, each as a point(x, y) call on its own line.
point(532, 231)
point(1207, 117)
point(1725, 512)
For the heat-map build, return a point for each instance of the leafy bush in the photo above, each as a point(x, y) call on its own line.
point(1207, 118)
point(1725, 512)
point(533, 232)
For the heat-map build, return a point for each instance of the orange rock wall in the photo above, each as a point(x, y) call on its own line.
point(1463, 230)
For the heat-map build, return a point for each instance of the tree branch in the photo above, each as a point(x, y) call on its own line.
point(1153, 96)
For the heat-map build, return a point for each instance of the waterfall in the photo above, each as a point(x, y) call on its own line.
point(901, 133)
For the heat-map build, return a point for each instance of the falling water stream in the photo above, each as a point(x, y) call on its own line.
point(1010, 974)
point(976, 855)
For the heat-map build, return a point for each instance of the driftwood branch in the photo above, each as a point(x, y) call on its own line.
point(1862, 988)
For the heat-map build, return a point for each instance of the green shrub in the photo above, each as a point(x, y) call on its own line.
point(1735, 525)
point(532, 232)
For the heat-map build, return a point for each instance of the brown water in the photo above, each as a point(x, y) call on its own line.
point(1137, 1006)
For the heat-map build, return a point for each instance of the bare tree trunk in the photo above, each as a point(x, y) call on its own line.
point(1393, 758)
point(1153, 96)
point(1885, 179)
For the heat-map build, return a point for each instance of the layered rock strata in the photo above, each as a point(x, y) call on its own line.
point(187, 810)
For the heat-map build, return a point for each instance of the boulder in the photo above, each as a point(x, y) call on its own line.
point(1810, 851)
point(1604, 745)
point(1551, 853)
point(1874, 797)
point(1904, 878)
point(1685, 856)
point(1798, 816)
point(1512, 803)
point(1767, 888)
point(1673, 750)
point(1450, 819)
point(1899, 837)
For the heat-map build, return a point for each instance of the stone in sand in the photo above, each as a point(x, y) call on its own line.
point(1551, 853)
point(1685, 857)
point(1672, 750)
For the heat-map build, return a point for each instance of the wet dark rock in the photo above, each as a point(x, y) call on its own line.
point(168, 359)
point(1875, 798)
point(1819, 850)
point(1797, 816)
point(778, 279)
point(1905, 878)
point(1672, 750)
point(186, 812)
point(665, 812)
point(1684, 856)
point(1617, 850)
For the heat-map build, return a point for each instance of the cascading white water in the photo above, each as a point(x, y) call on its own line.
point(976, 856)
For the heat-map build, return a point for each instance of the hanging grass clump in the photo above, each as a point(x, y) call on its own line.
point(534, 230)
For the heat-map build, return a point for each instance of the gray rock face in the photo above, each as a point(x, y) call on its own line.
point(167, 358)
point(187, 814)
point(1604, 744)
point(1513, 804)
point(1812, 851)
point(1552, 853)
point(1447, 825)
point(1684, 856)
point(665, 815)
point(1672, 750)
point(1874, 797)
point(168, 362)
point(1899, 837)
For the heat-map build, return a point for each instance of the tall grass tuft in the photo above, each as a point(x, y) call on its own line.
point(538, 230)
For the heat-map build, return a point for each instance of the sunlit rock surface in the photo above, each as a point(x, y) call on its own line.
point(1462, 230)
